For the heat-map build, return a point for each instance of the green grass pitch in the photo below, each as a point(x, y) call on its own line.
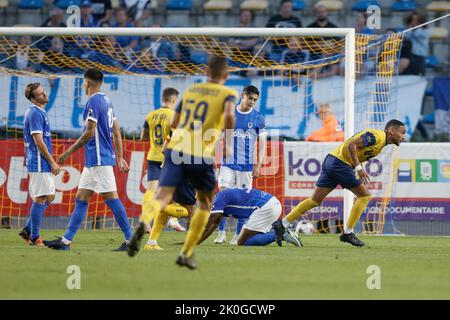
point(411, 268)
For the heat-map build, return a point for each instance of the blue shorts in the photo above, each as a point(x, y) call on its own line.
point(184, 194)
point(154, 170)
point(200, 175)
point(334, 172)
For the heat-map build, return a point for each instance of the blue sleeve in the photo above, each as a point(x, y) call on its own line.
point(36, 121)
point(368, 139)
point(93, 107)
point(220, 202)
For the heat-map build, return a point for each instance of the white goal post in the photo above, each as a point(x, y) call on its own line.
point(348, 33)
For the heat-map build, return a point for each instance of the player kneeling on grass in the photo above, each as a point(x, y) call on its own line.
point(341, 167)
point(262, 211)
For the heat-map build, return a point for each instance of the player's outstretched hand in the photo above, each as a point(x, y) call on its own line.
point(55, 168)
point(123, 166)
point(364, 176)
point(63, 157)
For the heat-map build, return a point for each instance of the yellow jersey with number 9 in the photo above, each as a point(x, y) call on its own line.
point(158, 124)
point(373, 140)
point(201, 119)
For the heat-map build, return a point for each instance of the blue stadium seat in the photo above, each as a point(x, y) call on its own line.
point(31, 4)
point(362, 5)
point(179, 4)
point(63, 4)
point(298, 5)
point(432, 61)
point(404, 5)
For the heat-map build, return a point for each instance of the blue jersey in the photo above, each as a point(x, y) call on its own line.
point(248, 126)
point(36, 121)
point(99, 150)
point(239, 203)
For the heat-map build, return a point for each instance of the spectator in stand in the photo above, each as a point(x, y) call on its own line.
point(404, 66)
point(331, 130)
point(110, 55)
point(285, 19)
point(129, 43)
point(87, 19)
point(102, 12)
point(420, 39)
point(294, 53)
point(54, 60)
point(24, 56)
point(138, 11)
point(161, 49)
point(182, 53)
point(321, 21)
point(81, 46)
point(244, 43)
point(55, 19)
point(361, 23)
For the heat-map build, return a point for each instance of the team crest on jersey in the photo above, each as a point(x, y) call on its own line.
point(90, 112)
point(250, 125)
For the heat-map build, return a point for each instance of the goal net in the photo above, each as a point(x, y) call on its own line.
point(306, 78)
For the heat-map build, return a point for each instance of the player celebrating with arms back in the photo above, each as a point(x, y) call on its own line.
point(340, 166)
point(205, 110)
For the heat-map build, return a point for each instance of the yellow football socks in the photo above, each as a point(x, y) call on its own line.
point(153, 208)
point(301, 208)
point(146, 200)
point(158, 225)
point(357, 209)
point(195, 232)
point(176, 210)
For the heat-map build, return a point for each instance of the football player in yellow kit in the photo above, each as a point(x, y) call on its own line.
point(157, 130)
point(343, 166)
point(205, 110)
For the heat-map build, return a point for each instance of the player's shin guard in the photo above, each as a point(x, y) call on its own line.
point(158, 225)
point(78, 215)
point(261, 239)
point(120, 215)
point(195, 232)
point(36, 212)
point(357, 209)
point(300, 209)
point(154, 207)
point(176, 210)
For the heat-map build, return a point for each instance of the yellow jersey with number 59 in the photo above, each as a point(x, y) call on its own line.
point(158, 124)
point(373, 140)
point(201, 119)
